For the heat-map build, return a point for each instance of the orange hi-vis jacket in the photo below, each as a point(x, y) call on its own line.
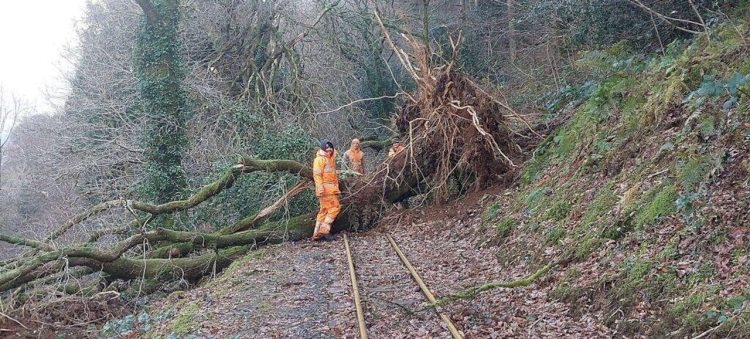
point(324, 174)
point(355, 159)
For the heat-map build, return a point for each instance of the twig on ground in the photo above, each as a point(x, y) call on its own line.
point(14, 320)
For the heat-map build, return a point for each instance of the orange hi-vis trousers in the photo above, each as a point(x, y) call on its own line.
point(329, 209)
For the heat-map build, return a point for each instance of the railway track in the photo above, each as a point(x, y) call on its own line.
point(380, 295)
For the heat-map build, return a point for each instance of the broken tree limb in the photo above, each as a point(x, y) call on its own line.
point(206, 192)
point(78, 218)
point(112, 262)
point(472, 292)
point(290, 166)
point(250, 222)
point(248, 165)
point(24, 242)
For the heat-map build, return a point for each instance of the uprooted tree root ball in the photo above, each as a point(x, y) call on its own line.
point(456, 130)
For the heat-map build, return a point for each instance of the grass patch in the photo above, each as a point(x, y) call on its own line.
point(185, 322)
point(536, 200)
point(565, 290)
point(554, 235)
point(603, 202)
point(559, 211)
point(659, 202)
point(504, 226)
point(490, 213)
point(692, 172)
point(535, 166)
point(586, 246)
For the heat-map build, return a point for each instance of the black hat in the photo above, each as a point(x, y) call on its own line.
point(325, 144)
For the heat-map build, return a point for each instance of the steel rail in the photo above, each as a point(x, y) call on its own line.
point(355, 288)
point(425, 290)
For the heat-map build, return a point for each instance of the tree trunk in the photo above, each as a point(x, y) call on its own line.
point(511, 30)
point(160, 76)
point(1, 166)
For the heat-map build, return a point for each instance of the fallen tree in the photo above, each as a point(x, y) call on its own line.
point(455, 135)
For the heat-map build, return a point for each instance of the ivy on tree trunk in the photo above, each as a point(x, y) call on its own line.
point(160, 76)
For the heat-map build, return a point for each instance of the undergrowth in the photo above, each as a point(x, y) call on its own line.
point(637, 164)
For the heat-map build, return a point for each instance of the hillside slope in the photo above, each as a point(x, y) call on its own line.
point(646, 188)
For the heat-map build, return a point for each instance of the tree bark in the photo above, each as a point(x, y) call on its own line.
point(160, 75)
point(511, 30)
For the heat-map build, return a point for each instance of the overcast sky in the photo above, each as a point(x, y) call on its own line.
point(32, 36)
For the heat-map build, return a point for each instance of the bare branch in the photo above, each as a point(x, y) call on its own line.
point(670, 20)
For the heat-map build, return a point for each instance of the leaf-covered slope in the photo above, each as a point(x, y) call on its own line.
point(646, 187)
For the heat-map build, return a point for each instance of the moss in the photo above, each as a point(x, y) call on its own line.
point(663, 286)
point(565, 290)
point(638, 270)
point(706, 126)
point(536, 165)
point(687, 311)
point(692, 172)
point(668, 252)
point(533, 227)
point(562, 291)
point(586, 246)
point(745, 65)
point(659, 202)
point(559, 211)
point(618, 229)
point(566, 142)
point(604, 201)
point(185, 322)
point(490, 213)
point(554, 235)
point(700, 276)
point(504, 226)
point(633, 278)
point(535, 200)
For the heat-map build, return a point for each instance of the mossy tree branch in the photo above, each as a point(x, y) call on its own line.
point(111, 261)
point(472, 292)
point(206, 192)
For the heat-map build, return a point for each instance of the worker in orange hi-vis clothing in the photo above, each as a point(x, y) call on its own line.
point(355, 157)
point(326, 189)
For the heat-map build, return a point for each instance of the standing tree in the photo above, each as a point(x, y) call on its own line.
point(160, 77)
point(511, 31)
point(8, 117)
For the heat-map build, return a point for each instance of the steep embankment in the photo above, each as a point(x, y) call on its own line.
point(646, 188)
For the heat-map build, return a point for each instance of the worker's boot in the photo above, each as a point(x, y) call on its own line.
point(316, 232)
point(325, 230)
